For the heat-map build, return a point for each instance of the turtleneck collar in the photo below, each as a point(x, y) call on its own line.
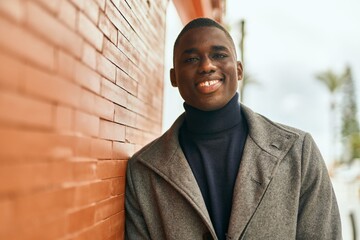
point(207, 122)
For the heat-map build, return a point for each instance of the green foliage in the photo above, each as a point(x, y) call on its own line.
point(350, 124)
point(350, 130)
point(355, 146)
point(332, 80)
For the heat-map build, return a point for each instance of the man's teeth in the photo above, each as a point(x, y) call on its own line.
point(208, 83)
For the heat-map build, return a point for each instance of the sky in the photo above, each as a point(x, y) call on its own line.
point(286, 44)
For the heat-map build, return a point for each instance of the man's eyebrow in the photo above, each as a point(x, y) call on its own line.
point(219, 48)
point(189, 51)
point(213, 48)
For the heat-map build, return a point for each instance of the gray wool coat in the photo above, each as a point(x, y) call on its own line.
point(282, 191)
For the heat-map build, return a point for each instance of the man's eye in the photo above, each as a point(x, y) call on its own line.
point(192, 59)
point(219, 55)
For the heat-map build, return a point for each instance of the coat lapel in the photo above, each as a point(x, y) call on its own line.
point(170, 163)
point(265, 147)
point(254, 176)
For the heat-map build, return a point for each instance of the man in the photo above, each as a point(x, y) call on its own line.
point(222, 171)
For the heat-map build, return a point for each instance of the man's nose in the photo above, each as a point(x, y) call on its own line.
point(206, 66)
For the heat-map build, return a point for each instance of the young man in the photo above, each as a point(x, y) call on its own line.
point(222, 171)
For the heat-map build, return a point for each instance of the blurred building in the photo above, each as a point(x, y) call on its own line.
point(346, 182)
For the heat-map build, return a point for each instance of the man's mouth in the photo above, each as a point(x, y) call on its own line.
point(208, 83)
point(209, 86)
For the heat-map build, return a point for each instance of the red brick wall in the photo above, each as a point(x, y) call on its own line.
point(80, 90)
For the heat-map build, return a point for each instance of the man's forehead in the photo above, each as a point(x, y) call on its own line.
point(194, 32)
point(192, 37)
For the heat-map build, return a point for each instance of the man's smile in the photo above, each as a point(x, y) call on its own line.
point(209, 86)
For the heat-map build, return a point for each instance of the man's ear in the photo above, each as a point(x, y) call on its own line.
point(240, 70)
point(173, 78)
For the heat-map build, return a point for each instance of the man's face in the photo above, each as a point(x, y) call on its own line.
point(205, 68)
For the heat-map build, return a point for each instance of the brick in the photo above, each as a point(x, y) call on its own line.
point(66, 65)
point(133, 70)
point(78, 3)
point(154, 113)
point(129, 16)
point(146, 124)
point(91, 193)
point(90, 32)
point(39, 207)
point(87, 77)
point(87, 100)
point(13, 9)
point(7, 215)
point(82, 145)
point(114, 54)
point(81, 219)
point(108, 207)
point(26, 177)
point(53, 229)
point(105, 67)
point(21, 110)
point(125, 46)
point(64, 119)
point(125, 116)
point(136, 105)
point(116, 18)
point(148, 137)
point(102, 190)
point(108, 28)
point(101, 149)
point(99, 231)
point(111, 168)
point(117, 223)
point(86, 123)
point(21, 177)
point(11, 71)
point(145, 94)
point(61, 172)
point(111, 131)
point(91, 9)
point(50, 87)
point(35, 145)
point(126, 82)
point(130, 3)
point(28, 47)
point(101, 4)
point(89, 56)
point(122, 150)
point(117, 186)
point(68, 14)
point(84, 170)
point(104, 108)
point(53, 6)
point(116, 2)
point(113, 92)
point(134, 136)
point(53, 30)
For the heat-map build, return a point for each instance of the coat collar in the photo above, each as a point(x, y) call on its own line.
point(266, 145)
point(168, 161)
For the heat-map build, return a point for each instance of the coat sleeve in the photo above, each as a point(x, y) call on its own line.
point(318, 216)
point(135, 225)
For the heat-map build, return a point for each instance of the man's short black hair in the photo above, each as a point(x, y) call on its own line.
point(202, 22)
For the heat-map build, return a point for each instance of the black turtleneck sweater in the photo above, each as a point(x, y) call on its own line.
point(213, 143)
